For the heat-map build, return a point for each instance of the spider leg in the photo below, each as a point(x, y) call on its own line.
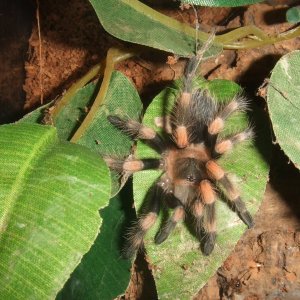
point(227, 144)
point(197, 210)
point(189, 111)
point(209, 225)
point(239, 103)
point(204, 212)
point(144, 223)
point(217, 173)
point(133, 165)
point(177, 216)
point(137, 130)
point(181, 120)
point(239, 204)
point(183, 114)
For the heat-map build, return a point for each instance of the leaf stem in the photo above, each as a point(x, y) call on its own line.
point(114, 55)
point(69, 94)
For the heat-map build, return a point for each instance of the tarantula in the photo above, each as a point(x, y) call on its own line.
point(189, 152)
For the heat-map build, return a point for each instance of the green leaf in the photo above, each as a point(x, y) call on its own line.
point(224, 3)
point(70, 117)
point(178, 259)
point(121, 99)
point(50, 195)
point(284, 104)
point(293, 15)
point(135, 22)
point(102, 273)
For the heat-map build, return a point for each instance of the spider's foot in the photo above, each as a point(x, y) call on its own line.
point(243, 212)
point(247, 218)
point(128, 252)
point(209, 243)
point(163, 234)
point(160, 237)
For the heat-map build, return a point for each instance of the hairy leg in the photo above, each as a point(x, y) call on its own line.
point(133, 165)
point(177, 216)
point(217, 173)
point(145, 221)
point(137, 130)
point(226, 144)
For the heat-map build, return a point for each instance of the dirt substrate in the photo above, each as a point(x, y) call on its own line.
point(265, 264)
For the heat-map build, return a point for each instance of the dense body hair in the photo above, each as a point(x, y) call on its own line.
point(189, 162)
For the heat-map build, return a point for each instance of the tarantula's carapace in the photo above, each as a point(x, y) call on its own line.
point(189, 147)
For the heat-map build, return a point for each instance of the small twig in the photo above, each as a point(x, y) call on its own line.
point(40, 51)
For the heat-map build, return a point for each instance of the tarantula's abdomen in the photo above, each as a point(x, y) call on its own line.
point(185, 193)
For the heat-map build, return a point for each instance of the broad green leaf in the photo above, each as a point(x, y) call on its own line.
point(50, 195)
point(92, 128)
point(293, 14)
point(135, 22)
point(178, 259)
point(103, 273)
point(284, 104)
point(222, 3)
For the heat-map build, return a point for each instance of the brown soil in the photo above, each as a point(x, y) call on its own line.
point(265, 264)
